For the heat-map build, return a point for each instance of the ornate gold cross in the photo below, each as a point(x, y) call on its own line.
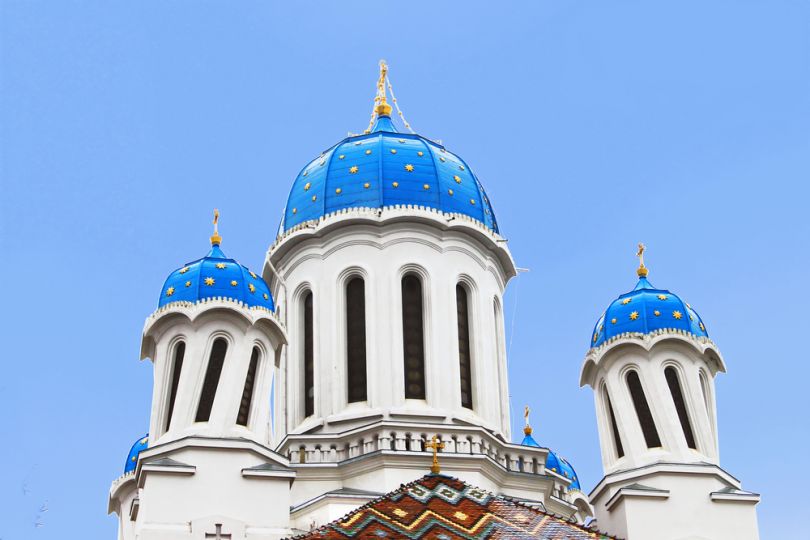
point(642, 270)
point(216, 239)
point(435, 445)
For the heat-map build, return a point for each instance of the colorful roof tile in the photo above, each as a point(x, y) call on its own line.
point(445, 508)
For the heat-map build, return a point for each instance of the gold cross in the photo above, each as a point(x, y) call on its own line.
point(216, 239)
point(642, 270)
point(435, 445)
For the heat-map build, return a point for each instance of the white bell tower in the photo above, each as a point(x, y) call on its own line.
point(653, 383)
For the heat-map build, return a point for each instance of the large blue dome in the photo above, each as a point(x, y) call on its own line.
point(386, 168)
point(646, 309)
point(213, 276)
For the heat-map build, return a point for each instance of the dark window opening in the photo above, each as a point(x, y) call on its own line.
point(680, 406)
point(617, 440)
point(177, 367)
point(309, 364)
point(212, 373)
point(356, 339)
point(464, 357)
point(413, 337)
point(643, 411)
point(247, 392)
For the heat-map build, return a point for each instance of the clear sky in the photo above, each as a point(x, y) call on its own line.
point(593, 126)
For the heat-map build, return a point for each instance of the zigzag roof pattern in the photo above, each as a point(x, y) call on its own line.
point(441, 507)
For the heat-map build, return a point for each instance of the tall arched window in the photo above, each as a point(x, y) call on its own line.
point(617, 440)
point(680, 405)
point(704, 388)
point(212, 373)
point(177, 367)
point(247, 392)
point(464, 356)
point(413, 337)
point(643, 411)
point(309, 358)
point(356, 339)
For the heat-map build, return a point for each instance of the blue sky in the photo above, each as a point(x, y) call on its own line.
point(593, 126)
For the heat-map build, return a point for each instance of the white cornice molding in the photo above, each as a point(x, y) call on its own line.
point(391, 215)
point(634, 475)
point(646, 341)
point(255, 316)
point(629, 492)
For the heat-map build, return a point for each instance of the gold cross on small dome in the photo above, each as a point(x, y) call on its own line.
point(642, 270)
point(216, 239)
point(435, 445)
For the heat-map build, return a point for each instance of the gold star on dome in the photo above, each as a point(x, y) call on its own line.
point(353, 169)
point(295, 210)
point(368, 152)
point(627, 301)
point(395, 184)
point(252, 275)
point(402, 140)
point(188, 284)
point(461, 167)
point(420, 153)
point(221, 266)
point(366, 185)
point(702, 327)
point(677, 314)
point(595, 337)
point(687, 305)
point(341, 156)
point(409, 167)
point(252, 287)
point(613, 321)
point(170, 291)
point(662, 297)
point(426, 186)
point(457, 179)
point(209, 281)
point(306, 173)
point(449, 191)
point(657, 313)
point(314, 198)
point(393, 150)
point(265, 296)
point(634, 316)
point(442, 159)
point(307, 186)
point(472, 201)
point(338, 191)
point(233, 283)
point(184, 270)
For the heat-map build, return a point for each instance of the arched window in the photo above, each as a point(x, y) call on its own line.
point(309, 358)
point(413, 337)
point(177, 367)
point(464, 357)
point(704, 388)
point(643, 411)
point(212, 373)
point(680, 405)
point(247, 392)
point(356, 339)
point(617, 440)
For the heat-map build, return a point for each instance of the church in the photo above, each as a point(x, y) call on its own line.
point(356, 387)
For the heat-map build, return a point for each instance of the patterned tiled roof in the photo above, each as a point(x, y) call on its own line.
point(440, 507)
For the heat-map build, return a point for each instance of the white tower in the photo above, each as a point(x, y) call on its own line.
point(652, 368)
point(389, 271)
point(206, 465)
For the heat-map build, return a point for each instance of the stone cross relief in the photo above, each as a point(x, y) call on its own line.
point(218, 535)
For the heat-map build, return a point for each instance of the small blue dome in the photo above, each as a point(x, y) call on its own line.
point(553, 461)
point(386, 168)
point(644, 310)
point(559, 465)
point(216, 276)
point(132, 459)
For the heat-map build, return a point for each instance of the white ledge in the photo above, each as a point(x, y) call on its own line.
point(640, 493)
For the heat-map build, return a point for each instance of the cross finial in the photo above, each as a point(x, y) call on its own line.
point(216, 239)
point(642, 270)
point(381, 106)
point(527, 429)
point(435, 445)
point(218, 535)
